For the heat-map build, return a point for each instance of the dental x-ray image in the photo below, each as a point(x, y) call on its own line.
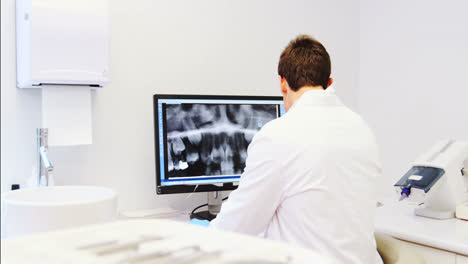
point(212, 139)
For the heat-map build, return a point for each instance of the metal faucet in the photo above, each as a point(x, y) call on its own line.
point(45, 166)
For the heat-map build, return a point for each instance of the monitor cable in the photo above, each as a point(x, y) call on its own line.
point(198, 207)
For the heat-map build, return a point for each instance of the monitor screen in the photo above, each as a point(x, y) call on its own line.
point(201, 141)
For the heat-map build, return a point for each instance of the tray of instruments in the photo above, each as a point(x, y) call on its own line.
point(151, 241)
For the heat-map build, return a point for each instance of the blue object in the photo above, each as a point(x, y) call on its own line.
point(406, 191)
point(426, 177)
point(198, 222)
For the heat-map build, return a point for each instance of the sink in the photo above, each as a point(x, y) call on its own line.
point(27, 211)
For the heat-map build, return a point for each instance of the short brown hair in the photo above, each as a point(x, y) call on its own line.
point(305, 62)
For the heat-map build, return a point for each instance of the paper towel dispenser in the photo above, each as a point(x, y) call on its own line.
point(62, 42)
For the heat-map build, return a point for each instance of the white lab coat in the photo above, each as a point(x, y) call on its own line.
point(310, 179)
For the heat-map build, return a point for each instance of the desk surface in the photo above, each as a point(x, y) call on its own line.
point(398, 220)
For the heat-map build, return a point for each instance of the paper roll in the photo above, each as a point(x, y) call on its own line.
point(66, 112)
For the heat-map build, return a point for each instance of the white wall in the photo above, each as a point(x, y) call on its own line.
point(193, 47)
point(413, 76)
point(20, 110)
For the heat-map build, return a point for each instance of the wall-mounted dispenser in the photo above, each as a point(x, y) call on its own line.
point(62, 46)
point(62, 42)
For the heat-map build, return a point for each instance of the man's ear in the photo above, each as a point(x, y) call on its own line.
point(283, 85)
point(330, 82)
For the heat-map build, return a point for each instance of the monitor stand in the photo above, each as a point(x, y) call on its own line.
point(214, 206)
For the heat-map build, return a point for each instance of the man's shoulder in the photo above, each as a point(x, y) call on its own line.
point(273, 128)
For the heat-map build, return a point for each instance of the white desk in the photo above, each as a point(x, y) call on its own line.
point(439, 240)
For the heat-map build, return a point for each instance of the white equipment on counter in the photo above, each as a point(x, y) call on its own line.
point(438, 180)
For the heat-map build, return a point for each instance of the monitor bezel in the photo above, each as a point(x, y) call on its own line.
point(170, 189)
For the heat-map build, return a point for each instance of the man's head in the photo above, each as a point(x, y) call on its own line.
point(304, 64)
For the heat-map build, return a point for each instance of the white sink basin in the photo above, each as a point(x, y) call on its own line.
point(34, 210)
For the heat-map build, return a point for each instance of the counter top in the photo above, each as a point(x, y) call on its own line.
point(397, 219)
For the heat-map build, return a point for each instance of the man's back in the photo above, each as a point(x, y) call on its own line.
point(320, 170)
point(330, 200)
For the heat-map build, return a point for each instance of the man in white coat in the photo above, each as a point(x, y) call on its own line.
point(311, 175)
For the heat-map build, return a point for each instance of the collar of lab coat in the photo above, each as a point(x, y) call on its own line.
point(319, 98)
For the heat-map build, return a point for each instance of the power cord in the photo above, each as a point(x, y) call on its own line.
point(198, 207)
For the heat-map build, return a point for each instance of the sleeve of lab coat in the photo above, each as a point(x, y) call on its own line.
point(251, 206)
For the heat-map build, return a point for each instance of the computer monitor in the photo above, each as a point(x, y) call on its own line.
point(201, 140)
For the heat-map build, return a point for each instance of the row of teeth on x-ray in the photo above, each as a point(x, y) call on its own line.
point(219, 154)
point(212, 139)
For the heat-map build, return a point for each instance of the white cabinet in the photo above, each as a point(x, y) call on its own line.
point(436, 256)
point(432, 255)
point(462, 259)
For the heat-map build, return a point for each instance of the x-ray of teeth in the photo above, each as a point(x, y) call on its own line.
point(212, 139)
